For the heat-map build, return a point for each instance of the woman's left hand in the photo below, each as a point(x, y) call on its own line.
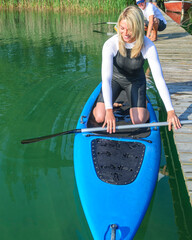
point(172, 119)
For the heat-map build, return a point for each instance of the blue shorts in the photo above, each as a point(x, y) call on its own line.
point(161, 26)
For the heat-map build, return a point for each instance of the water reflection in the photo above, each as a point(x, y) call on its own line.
point(46, 77)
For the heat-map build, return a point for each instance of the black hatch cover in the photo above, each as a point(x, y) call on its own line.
point(117, 162)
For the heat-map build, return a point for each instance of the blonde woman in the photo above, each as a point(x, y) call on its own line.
point(123, 56)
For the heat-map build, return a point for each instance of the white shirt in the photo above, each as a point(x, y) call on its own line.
point(149, 52)
point(150, 9)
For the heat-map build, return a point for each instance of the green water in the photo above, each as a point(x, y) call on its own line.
point(49, 65)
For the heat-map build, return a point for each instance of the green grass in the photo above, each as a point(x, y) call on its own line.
point(70, 5)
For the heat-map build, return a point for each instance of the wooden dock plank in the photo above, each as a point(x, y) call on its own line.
point(174, 46)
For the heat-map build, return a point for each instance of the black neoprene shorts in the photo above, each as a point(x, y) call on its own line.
point(135, 91)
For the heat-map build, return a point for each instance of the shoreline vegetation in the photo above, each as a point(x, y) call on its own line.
point(81, 6)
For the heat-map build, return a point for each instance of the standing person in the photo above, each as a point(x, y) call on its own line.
point(154, 19)
point(123, 57)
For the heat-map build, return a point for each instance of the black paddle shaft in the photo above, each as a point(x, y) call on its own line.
point(37, 139)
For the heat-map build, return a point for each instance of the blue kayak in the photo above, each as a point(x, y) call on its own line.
point(115, 173)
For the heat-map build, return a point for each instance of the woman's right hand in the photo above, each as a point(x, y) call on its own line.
point(110, 121)
point(173, 120)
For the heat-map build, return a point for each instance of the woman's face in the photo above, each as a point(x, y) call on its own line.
point(126, 32)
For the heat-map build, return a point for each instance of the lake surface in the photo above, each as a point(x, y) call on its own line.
point(50, 64)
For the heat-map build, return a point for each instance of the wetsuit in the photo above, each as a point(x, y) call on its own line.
point(120, 72)
point(128, 75)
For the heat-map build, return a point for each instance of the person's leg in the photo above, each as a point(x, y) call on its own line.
point(139, 115)
point(153, 36)
point(146, 23)
point(136, 94)
point(99, 112)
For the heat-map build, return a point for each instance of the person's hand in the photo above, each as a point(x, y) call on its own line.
point(172, 119)
point(110, 121)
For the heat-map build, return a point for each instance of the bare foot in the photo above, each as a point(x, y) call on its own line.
point(153, 39)
point(117, 105)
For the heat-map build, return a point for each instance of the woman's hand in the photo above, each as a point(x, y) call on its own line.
point(172, 119)
point(110, 121)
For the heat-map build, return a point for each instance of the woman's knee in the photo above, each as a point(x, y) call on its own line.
point(99, 118)
point(99, 113)
point(139, 116)
point(136, 120)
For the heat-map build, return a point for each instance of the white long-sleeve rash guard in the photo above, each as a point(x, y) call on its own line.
point(149, 52)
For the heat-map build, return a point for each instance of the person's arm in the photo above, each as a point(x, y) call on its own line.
point(155, 66)
point(150, 25)
point(107, 74)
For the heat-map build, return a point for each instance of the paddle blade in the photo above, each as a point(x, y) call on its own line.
point(37, 139)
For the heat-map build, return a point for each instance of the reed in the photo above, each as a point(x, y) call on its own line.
point(68, 5)
point(187, 23)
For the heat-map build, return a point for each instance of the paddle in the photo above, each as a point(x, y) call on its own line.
point(99, 129)
point(105, 23)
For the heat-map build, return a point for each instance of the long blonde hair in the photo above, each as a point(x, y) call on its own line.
point(134, 18)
